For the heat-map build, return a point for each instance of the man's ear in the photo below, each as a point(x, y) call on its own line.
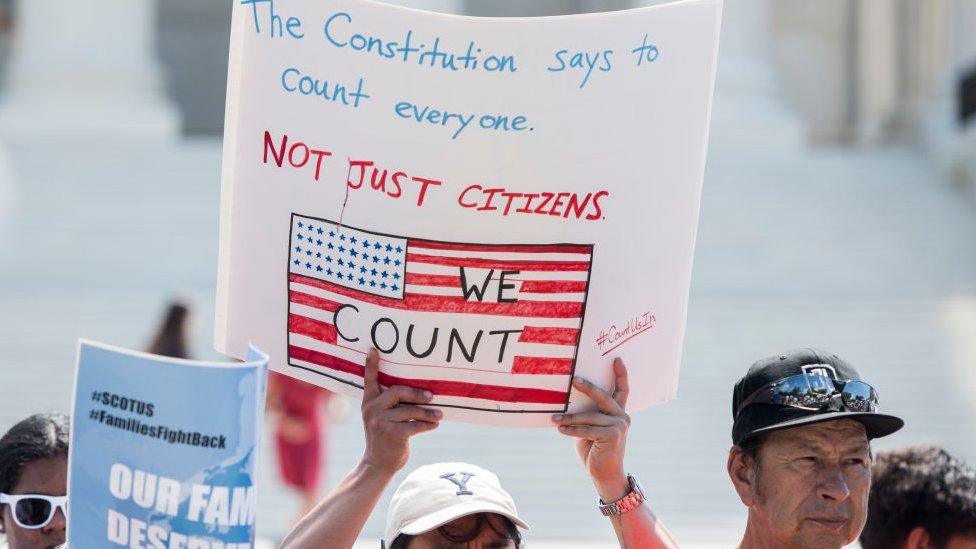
point(742, 473)
point(918, 538)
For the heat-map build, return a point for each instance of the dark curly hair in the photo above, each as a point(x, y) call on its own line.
point(38, 437)
point(511, 532)
point(923, 486)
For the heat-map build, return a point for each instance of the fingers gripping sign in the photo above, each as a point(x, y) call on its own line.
point(621, 386)
point(601, 435)
point(391, 416)
point(371, 383)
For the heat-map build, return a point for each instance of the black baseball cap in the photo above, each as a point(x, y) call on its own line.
point(759, 418)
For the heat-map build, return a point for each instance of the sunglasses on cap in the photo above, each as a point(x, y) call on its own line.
point(33, 511)
point(816, 392)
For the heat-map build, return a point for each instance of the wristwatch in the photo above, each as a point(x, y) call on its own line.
point(627, 503)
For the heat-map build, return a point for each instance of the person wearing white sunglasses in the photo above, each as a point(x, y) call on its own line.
point(34, 482)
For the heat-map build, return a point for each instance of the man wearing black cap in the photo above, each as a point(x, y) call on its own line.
point(801, 456)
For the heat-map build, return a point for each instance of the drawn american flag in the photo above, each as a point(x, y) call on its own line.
point(482, 326)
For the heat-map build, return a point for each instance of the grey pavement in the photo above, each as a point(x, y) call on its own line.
point(866, 253)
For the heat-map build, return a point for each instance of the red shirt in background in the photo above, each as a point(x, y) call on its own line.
point(301, 429)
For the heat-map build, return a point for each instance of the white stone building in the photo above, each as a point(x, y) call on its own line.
point(858, 72)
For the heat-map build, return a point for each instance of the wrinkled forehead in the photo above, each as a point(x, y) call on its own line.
point(843, 434)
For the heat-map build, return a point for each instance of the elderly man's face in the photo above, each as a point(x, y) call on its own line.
point(810, 488)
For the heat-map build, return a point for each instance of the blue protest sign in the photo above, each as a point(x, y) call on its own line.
point(164, 451)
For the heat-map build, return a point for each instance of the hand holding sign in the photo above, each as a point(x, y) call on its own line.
point(602, 435)
point(391, 416)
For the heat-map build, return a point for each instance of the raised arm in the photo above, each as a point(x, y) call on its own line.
point(390, 418)
point(601, 438)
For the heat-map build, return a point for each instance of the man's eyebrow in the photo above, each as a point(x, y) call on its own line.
point(811, 446)
point(858, 447)
point(807, 446)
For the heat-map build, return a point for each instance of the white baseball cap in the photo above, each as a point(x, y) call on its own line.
point(436, 494)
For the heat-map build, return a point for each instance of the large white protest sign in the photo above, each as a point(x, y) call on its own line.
point(494, 204)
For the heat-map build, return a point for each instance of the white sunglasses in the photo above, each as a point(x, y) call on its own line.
point(33, 511)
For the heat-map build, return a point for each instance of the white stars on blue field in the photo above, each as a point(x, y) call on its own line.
point(360, 260)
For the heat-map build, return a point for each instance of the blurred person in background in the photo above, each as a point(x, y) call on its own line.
point(801, 455)
point(463, 506)
point(921, 498)
point(6, 27)
point(34, 482)
point(301, 421)
point(170, 339)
